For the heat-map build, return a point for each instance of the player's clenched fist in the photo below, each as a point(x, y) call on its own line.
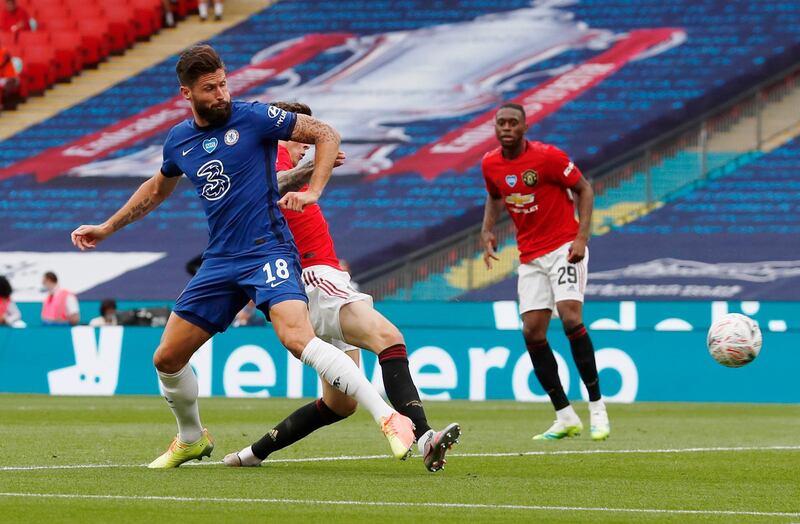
point(87, 236)
point(577, 251)
point(340, 158)
point(296, 200)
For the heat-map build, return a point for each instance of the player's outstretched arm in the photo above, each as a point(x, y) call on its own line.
point(491, 211)
point(148, 197)
point(585, 197)
point(326, 140)
point(295, 178)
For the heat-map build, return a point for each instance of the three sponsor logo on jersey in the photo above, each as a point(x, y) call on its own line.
point(217, 182)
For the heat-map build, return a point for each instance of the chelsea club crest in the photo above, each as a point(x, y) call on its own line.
point(231, 137)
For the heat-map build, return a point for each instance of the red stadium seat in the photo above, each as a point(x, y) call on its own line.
point(183, 7)
point(83, 9)
point(48, 10)
point(56, 24)
point(94, 45)
point(8, 39)
point(150, 16)
point(36, 68)
point(30, 40)
point(67, 47)
point(38, 5)
point(63, 64)
point(33, 38)
point(123, 20)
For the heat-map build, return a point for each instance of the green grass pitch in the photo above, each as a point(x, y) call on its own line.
point(663, 463)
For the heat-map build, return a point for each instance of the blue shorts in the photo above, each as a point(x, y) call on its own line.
point(223, 286)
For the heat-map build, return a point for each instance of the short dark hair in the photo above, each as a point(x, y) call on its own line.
point(293, 107)
point(106, 304)
point(51, 277)
point(5, 287)
point(196, 61)
point(513, 105)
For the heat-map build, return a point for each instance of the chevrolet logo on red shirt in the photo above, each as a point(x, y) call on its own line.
point(519, 200)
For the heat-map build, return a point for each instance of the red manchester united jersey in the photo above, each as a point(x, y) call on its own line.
point(309, 227)
point(534, 187)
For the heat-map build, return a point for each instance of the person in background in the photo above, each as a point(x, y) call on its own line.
point(169, 17)
point(249, 316)
point(202, 8)
point(60, 307)
point(540, 187)
point(9, 312)
point(108, 314)
point(9, 80)
point(15, 18)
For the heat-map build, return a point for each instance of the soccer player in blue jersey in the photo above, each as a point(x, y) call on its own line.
point(228, 152)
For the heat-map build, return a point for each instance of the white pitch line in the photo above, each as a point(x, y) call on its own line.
point(560, 452)
point(405, 505)
point(459, 455)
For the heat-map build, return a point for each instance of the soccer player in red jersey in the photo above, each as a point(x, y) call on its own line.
point(537, 183)
point(347, 319)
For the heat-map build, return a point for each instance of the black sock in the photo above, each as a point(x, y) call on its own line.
point(583, 354)
point(296, 426)
point(546, 369)
point(400, 387)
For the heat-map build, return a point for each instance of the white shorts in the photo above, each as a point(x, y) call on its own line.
point(329, 289)
point(549, 279)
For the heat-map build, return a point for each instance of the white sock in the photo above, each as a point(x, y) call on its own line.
point(218, 9)
point(597, 405)
point(341, 372)
point(181, 390)
point(202, 9)
point(248, 458)
point(567, 414)
point(423, 440)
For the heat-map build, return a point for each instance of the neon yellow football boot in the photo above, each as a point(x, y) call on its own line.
point(180, 452)
point(600, 427)
point(399, 430)
point(560, 430)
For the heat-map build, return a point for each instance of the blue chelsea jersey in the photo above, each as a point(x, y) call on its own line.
point(232, 168)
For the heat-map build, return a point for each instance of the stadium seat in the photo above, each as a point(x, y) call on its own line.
point(48, 10)
point(82, 9)
point(149, 17)
point(59, 23)
point(122, 26)
point(8, 39)
point(38, 6)
point(183, 7)
point(37, 70)
point(62, 69)
point(67, 49)
point(94, 45)
point(62, 66)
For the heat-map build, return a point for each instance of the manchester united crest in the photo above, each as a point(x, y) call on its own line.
point(530, 177)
